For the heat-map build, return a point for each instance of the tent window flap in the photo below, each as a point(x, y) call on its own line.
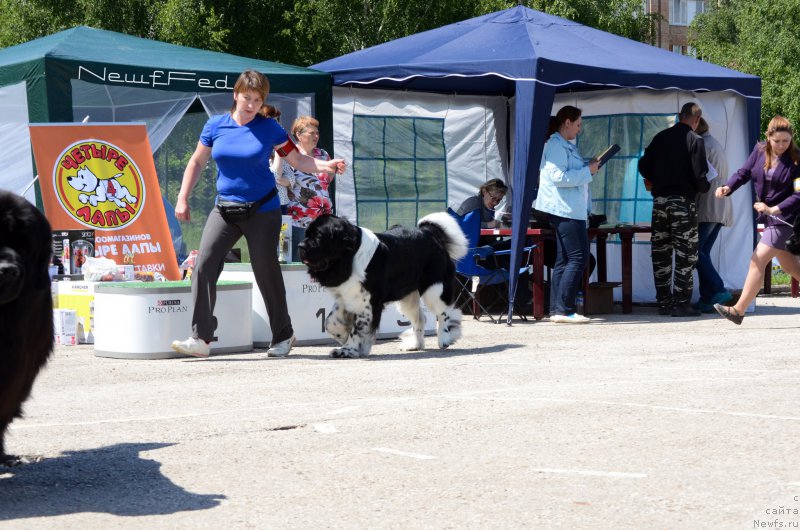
point(617, 189)
point(399, 169)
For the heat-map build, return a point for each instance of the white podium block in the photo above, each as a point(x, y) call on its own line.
point(309, 304)
point(139, 320)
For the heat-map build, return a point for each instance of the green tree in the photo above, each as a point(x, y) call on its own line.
point(300, 32)
point(323, 29)
point(241, 27)
point(24, 20)
point(757, 37)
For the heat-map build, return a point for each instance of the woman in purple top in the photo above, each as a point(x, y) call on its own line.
point(773, 168)
point(241, 143)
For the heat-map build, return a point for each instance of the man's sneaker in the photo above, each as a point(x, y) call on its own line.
point(721, 298)
point(574, 318)
point(281, 349)
point(192, 346)
point(704, 307)
point(665, 310)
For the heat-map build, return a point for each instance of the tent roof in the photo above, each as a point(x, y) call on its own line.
point(83, 43)
point(487, 54)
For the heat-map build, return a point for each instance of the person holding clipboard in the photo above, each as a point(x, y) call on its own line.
point(607, 155)
point(564, 179)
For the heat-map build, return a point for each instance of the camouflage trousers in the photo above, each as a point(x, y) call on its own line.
point(674, 230)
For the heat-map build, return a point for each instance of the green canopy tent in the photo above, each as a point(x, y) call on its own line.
point(102, 76)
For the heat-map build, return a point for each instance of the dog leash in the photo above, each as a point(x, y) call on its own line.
point(781, 220)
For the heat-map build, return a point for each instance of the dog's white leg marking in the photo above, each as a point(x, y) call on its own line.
point(412, 339)
point(448, 318)
point(356, 300)
point(339, 323)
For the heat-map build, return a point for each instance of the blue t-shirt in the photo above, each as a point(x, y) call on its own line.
point(242, 156)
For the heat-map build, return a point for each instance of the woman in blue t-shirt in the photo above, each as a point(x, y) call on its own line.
point(241, 143)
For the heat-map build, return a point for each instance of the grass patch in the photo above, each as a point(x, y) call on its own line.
point(780, 278)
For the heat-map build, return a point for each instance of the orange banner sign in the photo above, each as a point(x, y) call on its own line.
point(102, 177)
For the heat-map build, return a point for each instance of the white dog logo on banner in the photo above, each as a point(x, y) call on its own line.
point(99, 190)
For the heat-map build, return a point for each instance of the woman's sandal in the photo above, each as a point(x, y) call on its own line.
point(730, 313)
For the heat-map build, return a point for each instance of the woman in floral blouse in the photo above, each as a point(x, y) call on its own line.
point(308, 195)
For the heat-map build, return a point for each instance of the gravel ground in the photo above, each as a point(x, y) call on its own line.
point(633, 421)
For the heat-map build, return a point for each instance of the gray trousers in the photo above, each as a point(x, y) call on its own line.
point(261, 231)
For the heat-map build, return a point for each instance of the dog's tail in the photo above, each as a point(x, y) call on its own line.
point(452, 236)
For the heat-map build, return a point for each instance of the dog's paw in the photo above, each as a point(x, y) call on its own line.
point(346, 352)
point(449, 328)
point(19, 460)
point(446, 340)
point(83, 198)
point(411, 340)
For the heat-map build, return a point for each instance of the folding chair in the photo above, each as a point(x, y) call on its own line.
point(472, 277)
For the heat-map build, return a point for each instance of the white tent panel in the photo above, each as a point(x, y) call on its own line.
point(475, 152)
point(15, 157)
point(477, 145)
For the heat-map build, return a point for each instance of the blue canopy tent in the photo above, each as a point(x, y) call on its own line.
point(532, 56)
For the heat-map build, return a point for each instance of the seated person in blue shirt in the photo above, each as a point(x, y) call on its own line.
point(488, 197)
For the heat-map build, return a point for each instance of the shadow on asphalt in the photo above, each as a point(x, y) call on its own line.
point(113, 479)
point(432, 352)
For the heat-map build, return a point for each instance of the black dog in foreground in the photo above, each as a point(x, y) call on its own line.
point(364, 271)
point(26, 305)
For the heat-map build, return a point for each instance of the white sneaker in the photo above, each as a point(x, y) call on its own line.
point(192, 346)
point(574, 318)
point(281, 349)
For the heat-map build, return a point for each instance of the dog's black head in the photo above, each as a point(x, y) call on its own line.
point(25, 247)
point(793, 243)
point(328, 249)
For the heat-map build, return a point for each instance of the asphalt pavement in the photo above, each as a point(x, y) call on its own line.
point(633, 421)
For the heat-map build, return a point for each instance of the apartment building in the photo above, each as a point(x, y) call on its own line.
point(676, 17)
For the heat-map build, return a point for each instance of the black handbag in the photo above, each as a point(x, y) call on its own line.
point(236, 212)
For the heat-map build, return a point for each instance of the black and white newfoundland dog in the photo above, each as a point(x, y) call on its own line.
point(364, 271)
point(26, 305)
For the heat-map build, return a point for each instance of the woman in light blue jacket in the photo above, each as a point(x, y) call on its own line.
point(564, 179)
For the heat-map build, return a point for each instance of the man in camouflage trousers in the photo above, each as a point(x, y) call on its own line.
point(674, 167)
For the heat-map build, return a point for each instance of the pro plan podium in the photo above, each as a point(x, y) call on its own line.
point(139, 320)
